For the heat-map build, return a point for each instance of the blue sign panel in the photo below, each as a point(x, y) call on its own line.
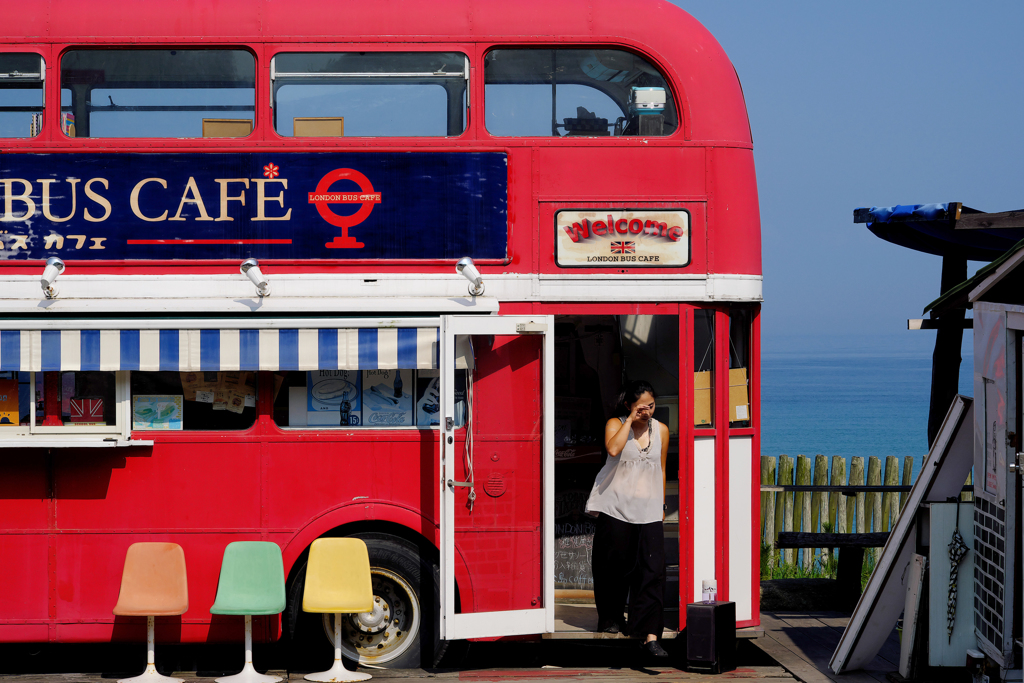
point(294, 206)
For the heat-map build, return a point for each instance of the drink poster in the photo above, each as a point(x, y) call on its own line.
point(333, 394)
point(387, 398)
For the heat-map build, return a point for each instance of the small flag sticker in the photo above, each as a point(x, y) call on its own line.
point(623, 247)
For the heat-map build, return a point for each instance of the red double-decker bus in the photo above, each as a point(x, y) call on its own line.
point(230, 307)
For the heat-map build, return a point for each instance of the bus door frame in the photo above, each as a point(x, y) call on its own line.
point(509, 622)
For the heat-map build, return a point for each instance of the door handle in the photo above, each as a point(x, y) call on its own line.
point(453, 484)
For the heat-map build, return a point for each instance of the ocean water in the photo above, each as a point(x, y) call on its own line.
point(850, 397)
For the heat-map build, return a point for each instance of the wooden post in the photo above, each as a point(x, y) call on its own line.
point(890, 501)
point(875, 506)
point(948, 340)
point(803, 478)
point(908, 478)
point(855, 504)
point(837, 502)
point(819, 501)
point(784, 503)
point(768, 507)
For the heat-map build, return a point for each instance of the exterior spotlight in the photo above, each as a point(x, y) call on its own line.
point(467, 269)
point(251, 269)
point(54, 267)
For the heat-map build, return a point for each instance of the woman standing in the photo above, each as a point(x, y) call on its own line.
point(629, 497)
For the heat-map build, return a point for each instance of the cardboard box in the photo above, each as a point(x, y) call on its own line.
point(739, 403)
point(702, 394)
point(318, 127)
point(226, 128)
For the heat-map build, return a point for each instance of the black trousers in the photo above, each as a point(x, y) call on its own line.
point(630, 559)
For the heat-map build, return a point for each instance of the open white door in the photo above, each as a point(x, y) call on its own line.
point(499, 434)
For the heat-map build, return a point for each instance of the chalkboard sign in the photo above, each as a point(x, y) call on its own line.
point(574, 541)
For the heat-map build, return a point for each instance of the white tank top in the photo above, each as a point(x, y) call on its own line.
point(631, 487)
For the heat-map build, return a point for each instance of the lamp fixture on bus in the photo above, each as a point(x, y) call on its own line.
point(467, 269)
point(54, 267)
point(251, 269)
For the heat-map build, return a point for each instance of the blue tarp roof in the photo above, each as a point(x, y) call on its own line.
point(930, 228)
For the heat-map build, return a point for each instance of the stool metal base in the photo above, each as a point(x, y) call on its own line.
point(248, 675)
point(338, 673)
point(150, 675)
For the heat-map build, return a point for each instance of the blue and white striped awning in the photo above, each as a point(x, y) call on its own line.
point(222, 349)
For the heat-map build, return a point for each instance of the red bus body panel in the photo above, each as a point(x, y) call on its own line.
point(67, 516)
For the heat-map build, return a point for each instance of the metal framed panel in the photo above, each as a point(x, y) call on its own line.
point(997, 352)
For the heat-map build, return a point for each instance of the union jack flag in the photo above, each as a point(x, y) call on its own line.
point(623, 247)
point(86, 409)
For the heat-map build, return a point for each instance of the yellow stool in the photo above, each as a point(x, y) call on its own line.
point(338, 582)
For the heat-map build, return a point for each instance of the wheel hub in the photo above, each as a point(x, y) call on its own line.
point(371, 622)
point(385, 632)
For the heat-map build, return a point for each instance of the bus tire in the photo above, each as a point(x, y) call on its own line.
point(404, 630)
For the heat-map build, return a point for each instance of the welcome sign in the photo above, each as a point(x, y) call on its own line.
point(288, 206)
point(617, 238)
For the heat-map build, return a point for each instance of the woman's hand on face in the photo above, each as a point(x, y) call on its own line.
point(641, 411)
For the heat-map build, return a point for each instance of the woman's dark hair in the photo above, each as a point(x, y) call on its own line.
point(631, 393)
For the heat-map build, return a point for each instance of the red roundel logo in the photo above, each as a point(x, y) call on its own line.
point(323, 197)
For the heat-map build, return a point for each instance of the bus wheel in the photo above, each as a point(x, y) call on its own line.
point(403, 630)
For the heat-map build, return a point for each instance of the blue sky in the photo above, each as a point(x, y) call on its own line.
point(860, 104)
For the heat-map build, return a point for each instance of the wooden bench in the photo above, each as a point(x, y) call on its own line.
point(851, 556)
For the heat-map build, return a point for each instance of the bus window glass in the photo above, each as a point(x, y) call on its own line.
point(369, 94)
point(22, 76)
point(703, 368)
point(158, 93)
point(567, 92)
point(70, 399)
point(364, 398)
point(740, 321)
point(193, 400)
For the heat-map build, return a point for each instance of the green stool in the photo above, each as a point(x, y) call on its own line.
point(251, 582)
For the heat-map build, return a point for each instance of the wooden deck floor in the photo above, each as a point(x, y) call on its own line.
point(768, 674)
point(803, 643)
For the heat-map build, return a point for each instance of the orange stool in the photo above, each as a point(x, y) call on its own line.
point(153, 584)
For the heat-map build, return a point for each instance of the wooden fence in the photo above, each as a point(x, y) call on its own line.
point(827, 507)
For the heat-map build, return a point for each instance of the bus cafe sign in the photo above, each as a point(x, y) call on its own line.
point(617, 238)
point(288, 206)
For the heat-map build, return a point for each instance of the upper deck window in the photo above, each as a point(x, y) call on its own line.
point(370, 94)
point(158, 93)
point(22, 75)
point(586, 92)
